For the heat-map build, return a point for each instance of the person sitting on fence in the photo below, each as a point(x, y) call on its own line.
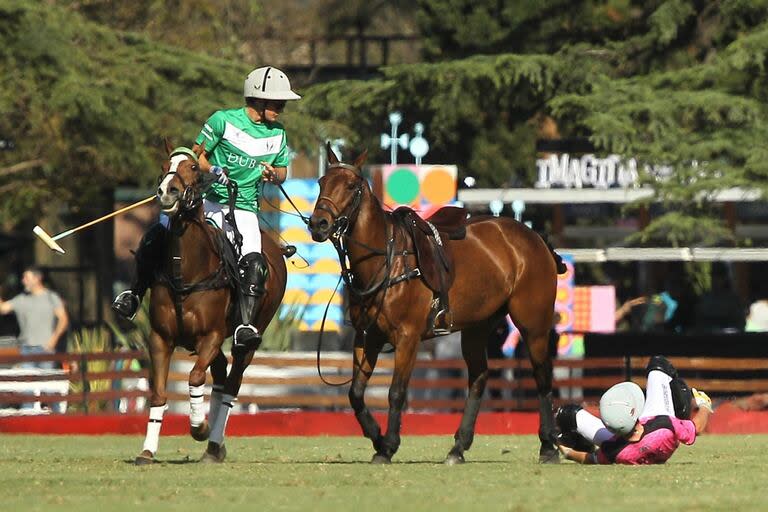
point(635, 429)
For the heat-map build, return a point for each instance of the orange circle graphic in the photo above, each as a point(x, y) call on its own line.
point(438, 186)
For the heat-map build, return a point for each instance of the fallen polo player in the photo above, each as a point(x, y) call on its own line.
point(636, 429)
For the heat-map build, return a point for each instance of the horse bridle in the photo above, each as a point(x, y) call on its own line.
point(188, 200)
point(342, 219)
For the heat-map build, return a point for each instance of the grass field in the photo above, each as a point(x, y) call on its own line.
point(332, 473)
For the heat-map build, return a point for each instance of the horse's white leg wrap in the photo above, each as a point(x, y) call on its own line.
point(196, 405)
point(153, 428)
point(216, 393)
point(220, 422)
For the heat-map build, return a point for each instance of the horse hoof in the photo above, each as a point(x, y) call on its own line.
point(214, 455)
point(453, 459)
point(381, 459)
point(549, 457)
point(145, 458)
point(200, 432)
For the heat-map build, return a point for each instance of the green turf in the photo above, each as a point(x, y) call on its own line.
point(332, 473)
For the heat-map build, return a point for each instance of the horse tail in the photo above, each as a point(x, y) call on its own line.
point(561, 268)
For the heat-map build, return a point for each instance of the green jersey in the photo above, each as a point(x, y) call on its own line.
point(238, 144)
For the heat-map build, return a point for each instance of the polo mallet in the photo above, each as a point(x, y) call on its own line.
point(50, 241)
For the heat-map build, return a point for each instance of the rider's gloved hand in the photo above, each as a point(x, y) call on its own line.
point(221, 174)
point(702, 399)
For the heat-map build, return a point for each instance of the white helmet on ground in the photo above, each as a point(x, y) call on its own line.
point(620, 407)
point(268, 83)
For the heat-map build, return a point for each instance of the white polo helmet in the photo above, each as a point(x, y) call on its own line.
point(268, 83)
point(620, 407)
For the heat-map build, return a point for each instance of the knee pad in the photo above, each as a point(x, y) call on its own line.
point(662, 364)
point(682, 397)
point(254, 271)
point(565, 417)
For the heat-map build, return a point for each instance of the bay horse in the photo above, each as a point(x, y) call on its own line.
point(501, 267)
point(193, 305)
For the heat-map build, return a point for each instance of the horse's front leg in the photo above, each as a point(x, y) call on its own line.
point(160, 358)
point(365, 357)
point(207, 348)
point(405, 358)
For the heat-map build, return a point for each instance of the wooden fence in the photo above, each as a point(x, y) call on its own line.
point(290, 380)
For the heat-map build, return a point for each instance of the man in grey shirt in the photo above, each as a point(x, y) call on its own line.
point(41, 316)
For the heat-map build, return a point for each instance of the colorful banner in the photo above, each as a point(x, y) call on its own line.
point(425, 188)
point(578, 309)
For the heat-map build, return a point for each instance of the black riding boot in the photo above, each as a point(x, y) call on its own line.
point(565, 418)
point(148, 257)
point(254, 273)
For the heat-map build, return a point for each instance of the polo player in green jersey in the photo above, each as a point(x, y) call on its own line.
point(248, 146)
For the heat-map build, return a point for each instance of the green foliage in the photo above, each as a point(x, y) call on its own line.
point(92, 104)
point(137, 338)
point(277, 337)
point(89, 341)
point(679, 85)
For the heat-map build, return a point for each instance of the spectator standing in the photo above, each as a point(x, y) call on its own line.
point(40, 314)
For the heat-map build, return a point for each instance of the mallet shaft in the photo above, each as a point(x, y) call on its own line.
point(100, 219)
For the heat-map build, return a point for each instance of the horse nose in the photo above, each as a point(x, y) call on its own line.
point(318, 224)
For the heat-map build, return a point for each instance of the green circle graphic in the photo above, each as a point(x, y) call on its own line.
point(403, 186)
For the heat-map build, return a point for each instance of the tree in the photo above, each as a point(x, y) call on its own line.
point(680, 85)
point(87, 106)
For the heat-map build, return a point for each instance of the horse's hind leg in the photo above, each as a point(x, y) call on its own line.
point(535, 322)
point(219, 374)
point(541, 360)
point(473, 346)
point(216, 452)
point(365, 357)
point(160, 359)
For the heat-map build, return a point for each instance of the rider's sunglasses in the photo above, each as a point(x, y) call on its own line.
point(277, 106)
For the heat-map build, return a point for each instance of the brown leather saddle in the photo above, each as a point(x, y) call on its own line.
point(433, 257)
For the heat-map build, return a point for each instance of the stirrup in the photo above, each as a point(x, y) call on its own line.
point(246, 337)
point(444, 325)
point(126, 304)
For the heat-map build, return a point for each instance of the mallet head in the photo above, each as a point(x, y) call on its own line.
point(49, 241)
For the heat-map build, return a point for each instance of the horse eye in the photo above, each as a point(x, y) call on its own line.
point(351, 186)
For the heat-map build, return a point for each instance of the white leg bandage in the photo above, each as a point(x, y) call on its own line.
point(216, 393)
point(220, 422)
point(153, 428)
point(658, 395)
point(592, 428)
point(196, 405)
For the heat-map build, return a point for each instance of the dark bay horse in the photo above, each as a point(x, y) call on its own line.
point(501, 267)
point(194, 280)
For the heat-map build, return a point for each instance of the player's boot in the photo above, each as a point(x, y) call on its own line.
point(148, 256)
point(565, 418)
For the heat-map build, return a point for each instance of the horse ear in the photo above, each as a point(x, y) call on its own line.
point(200, 149)
point(168, 145)
point(360, 160)
point(332, 158)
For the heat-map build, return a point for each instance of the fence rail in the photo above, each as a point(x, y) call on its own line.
point(290, 380)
